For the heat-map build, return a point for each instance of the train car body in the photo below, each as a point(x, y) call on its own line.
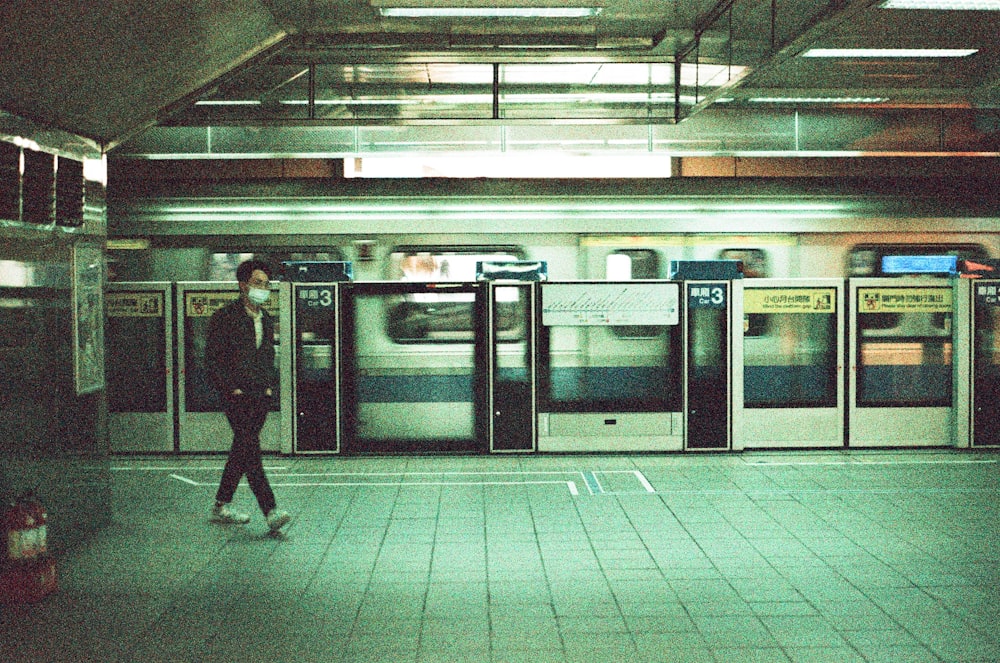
point(412, 360)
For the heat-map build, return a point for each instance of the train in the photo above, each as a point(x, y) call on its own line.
point(403, 372)
point(779, 228)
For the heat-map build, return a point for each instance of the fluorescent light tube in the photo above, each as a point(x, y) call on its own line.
point(943, 5)
point(889, 52)
point(227, 102)
point(489, 12)
point(817, 100)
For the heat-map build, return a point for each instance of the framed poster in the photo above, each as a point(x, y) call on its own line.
point(88, 317)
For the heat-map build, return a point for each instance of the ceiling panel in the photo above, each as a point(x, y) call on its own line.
point(107, 70)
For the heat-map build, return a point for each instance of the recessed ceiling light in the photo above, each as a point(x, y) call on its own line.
point(889, 52)
point(489, 12)
point(943, 5)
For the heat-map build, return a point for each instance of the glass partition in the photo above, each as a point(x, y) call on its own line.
point(139, 366)
point(401, 393)
point(708, 394)
point(136, 352)
point(790, 347)
point(904, 347)
point(587, 367)
point(199, 305)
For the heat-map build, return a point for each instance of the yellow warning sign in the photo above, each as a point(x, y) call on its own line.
point(904, 300)
point(203, 303)
point(134, 304)
point(790, 300)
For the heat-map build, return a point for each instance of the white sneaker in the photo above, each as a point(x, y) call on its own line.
point(277, 519)
point(221, 513)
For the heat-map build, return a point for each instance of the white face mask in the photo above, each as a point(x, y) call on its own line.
point(258, 295)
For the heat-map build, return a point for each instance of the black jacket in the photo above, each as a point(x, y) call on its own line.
point(232, 357)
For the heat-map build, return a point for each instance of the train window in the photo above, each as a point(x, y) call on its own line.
point(223, 264)
point(10, 181)
point(868, 260)
point(441, 316)
point(628, 265)
point(755, 266)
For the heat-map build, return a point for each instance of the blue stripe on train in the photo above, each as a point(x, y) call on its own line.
point(815, 385)
point(568, 384)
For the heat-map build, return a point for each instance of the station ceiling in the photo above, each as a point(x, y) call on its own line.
point(197, 78)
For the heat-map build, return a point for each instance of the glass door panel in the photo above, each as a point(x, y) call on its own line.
point(792, 349)
point(513, 366)
point(139, 367)
point(708, 365)
point(202, 426)
point(902, 354)
point(316, 375)
point(414, 367)
point(986, 364)
point(610, 369)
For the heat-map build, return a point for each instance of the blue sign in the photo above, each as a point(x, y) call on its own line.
point(707, 295)
point(919, 264)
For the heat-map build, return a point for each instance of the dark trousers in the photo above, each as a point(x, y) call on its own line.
point(246, 416)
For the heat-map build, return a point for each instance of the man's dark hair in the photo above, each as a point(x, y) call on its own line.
point(247, 267)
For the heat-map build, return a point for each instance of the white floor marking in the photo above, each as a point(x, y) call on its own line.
point(516, 478)
point(184, 479)
point(436, 474)
point(592, 483)
point(644, 481)
point(187, 468)
point(571, 485)
point(823, 491)
point(960, 461)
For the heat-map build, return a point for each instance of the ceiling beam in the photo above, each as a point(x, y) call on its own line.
point(836, 14)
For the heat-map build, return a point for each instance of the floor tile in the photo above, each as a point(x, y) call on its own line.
point(729, 559)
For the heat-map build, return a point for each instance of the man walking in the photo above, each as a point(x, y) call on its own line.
point(239, 356)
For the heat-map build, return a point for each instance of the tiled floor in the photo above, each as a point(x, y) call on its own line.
point(887, 556)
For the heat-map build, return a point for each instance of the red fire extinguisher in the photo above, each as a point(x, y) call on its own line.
point(27, 572)
point(25, 527)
